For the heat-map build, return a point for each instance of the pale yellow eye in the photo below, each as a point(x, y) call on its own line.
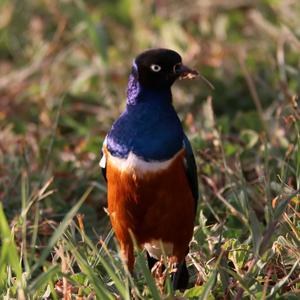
point(155, 68)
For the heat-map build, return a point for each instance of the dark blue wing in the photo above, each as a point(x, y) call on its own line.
point(103, 161)
point(191, 169)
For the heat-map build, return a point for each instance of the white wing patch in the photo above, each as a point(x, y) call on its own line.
point(102, 162)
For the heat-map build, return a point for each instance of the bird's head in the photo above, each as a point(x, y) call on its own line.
point(159, 68)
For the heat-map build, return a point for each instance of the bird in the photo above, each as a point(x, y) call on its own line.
point(149, 165)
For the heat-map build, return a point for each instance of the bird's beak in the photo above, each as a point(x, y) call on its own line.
point(185, 72)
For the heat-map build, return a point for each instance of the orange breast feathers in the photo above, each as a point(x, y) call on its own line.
point(153, 201)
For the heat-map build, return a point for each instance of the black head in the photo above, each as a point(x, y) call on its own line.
point(159, 68)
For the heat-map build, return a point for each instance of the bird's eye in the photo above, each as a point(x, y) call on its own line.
point(155, 68)
point(177, 68)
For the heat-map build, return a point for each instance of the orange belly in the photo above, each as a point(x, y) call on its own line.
point(153, 205)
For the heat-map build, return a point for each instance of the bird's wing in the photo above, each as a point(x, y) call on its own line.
point(102, 162)
point(191, 169)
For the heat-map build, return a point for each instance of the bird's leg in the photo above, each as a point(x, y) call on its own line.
point(180, 277)
point(151, 261)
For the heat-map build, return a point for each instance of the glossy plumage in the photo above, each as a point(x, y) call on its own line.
point(149, 164)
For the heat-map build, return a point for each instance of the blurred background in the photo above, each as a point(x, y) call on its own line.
point(64, 66)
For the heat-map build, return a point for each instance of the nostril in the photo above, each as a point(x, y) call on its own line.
point(177, 68)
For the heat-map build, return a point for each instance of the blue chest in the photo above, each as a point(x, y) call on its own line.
point(149, 128)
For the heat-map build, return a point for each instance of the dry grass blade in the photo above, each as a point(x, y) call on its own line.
point(231, 208)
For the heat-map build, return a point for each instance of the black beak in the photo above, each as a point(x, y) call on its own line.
point(184, 72)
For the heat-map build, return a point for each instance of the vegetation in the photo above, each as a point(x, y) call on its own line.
point(64, 66)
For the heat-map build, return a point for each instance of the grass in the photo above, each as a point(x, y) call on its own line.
point(63, 73)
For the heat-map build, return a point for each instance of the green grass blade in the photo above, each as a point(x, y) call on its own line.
point(44, 278)
point(102, 248)
point(255, 231)
point(122, 288)
point(9, 252)
point(148, 277)
point(207, 288)
point(61, 228)
point(241, 281)
point(279, 210)
point(168, 282)
point(24, 199)
point(112, 271)
point(100, 290)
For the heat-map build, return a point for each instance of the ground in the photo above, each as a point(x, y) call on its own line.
point(64, 66)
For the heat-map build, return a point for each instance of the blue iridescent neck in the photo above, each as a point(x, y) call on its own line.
point(149, 127)
point(137, 93)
